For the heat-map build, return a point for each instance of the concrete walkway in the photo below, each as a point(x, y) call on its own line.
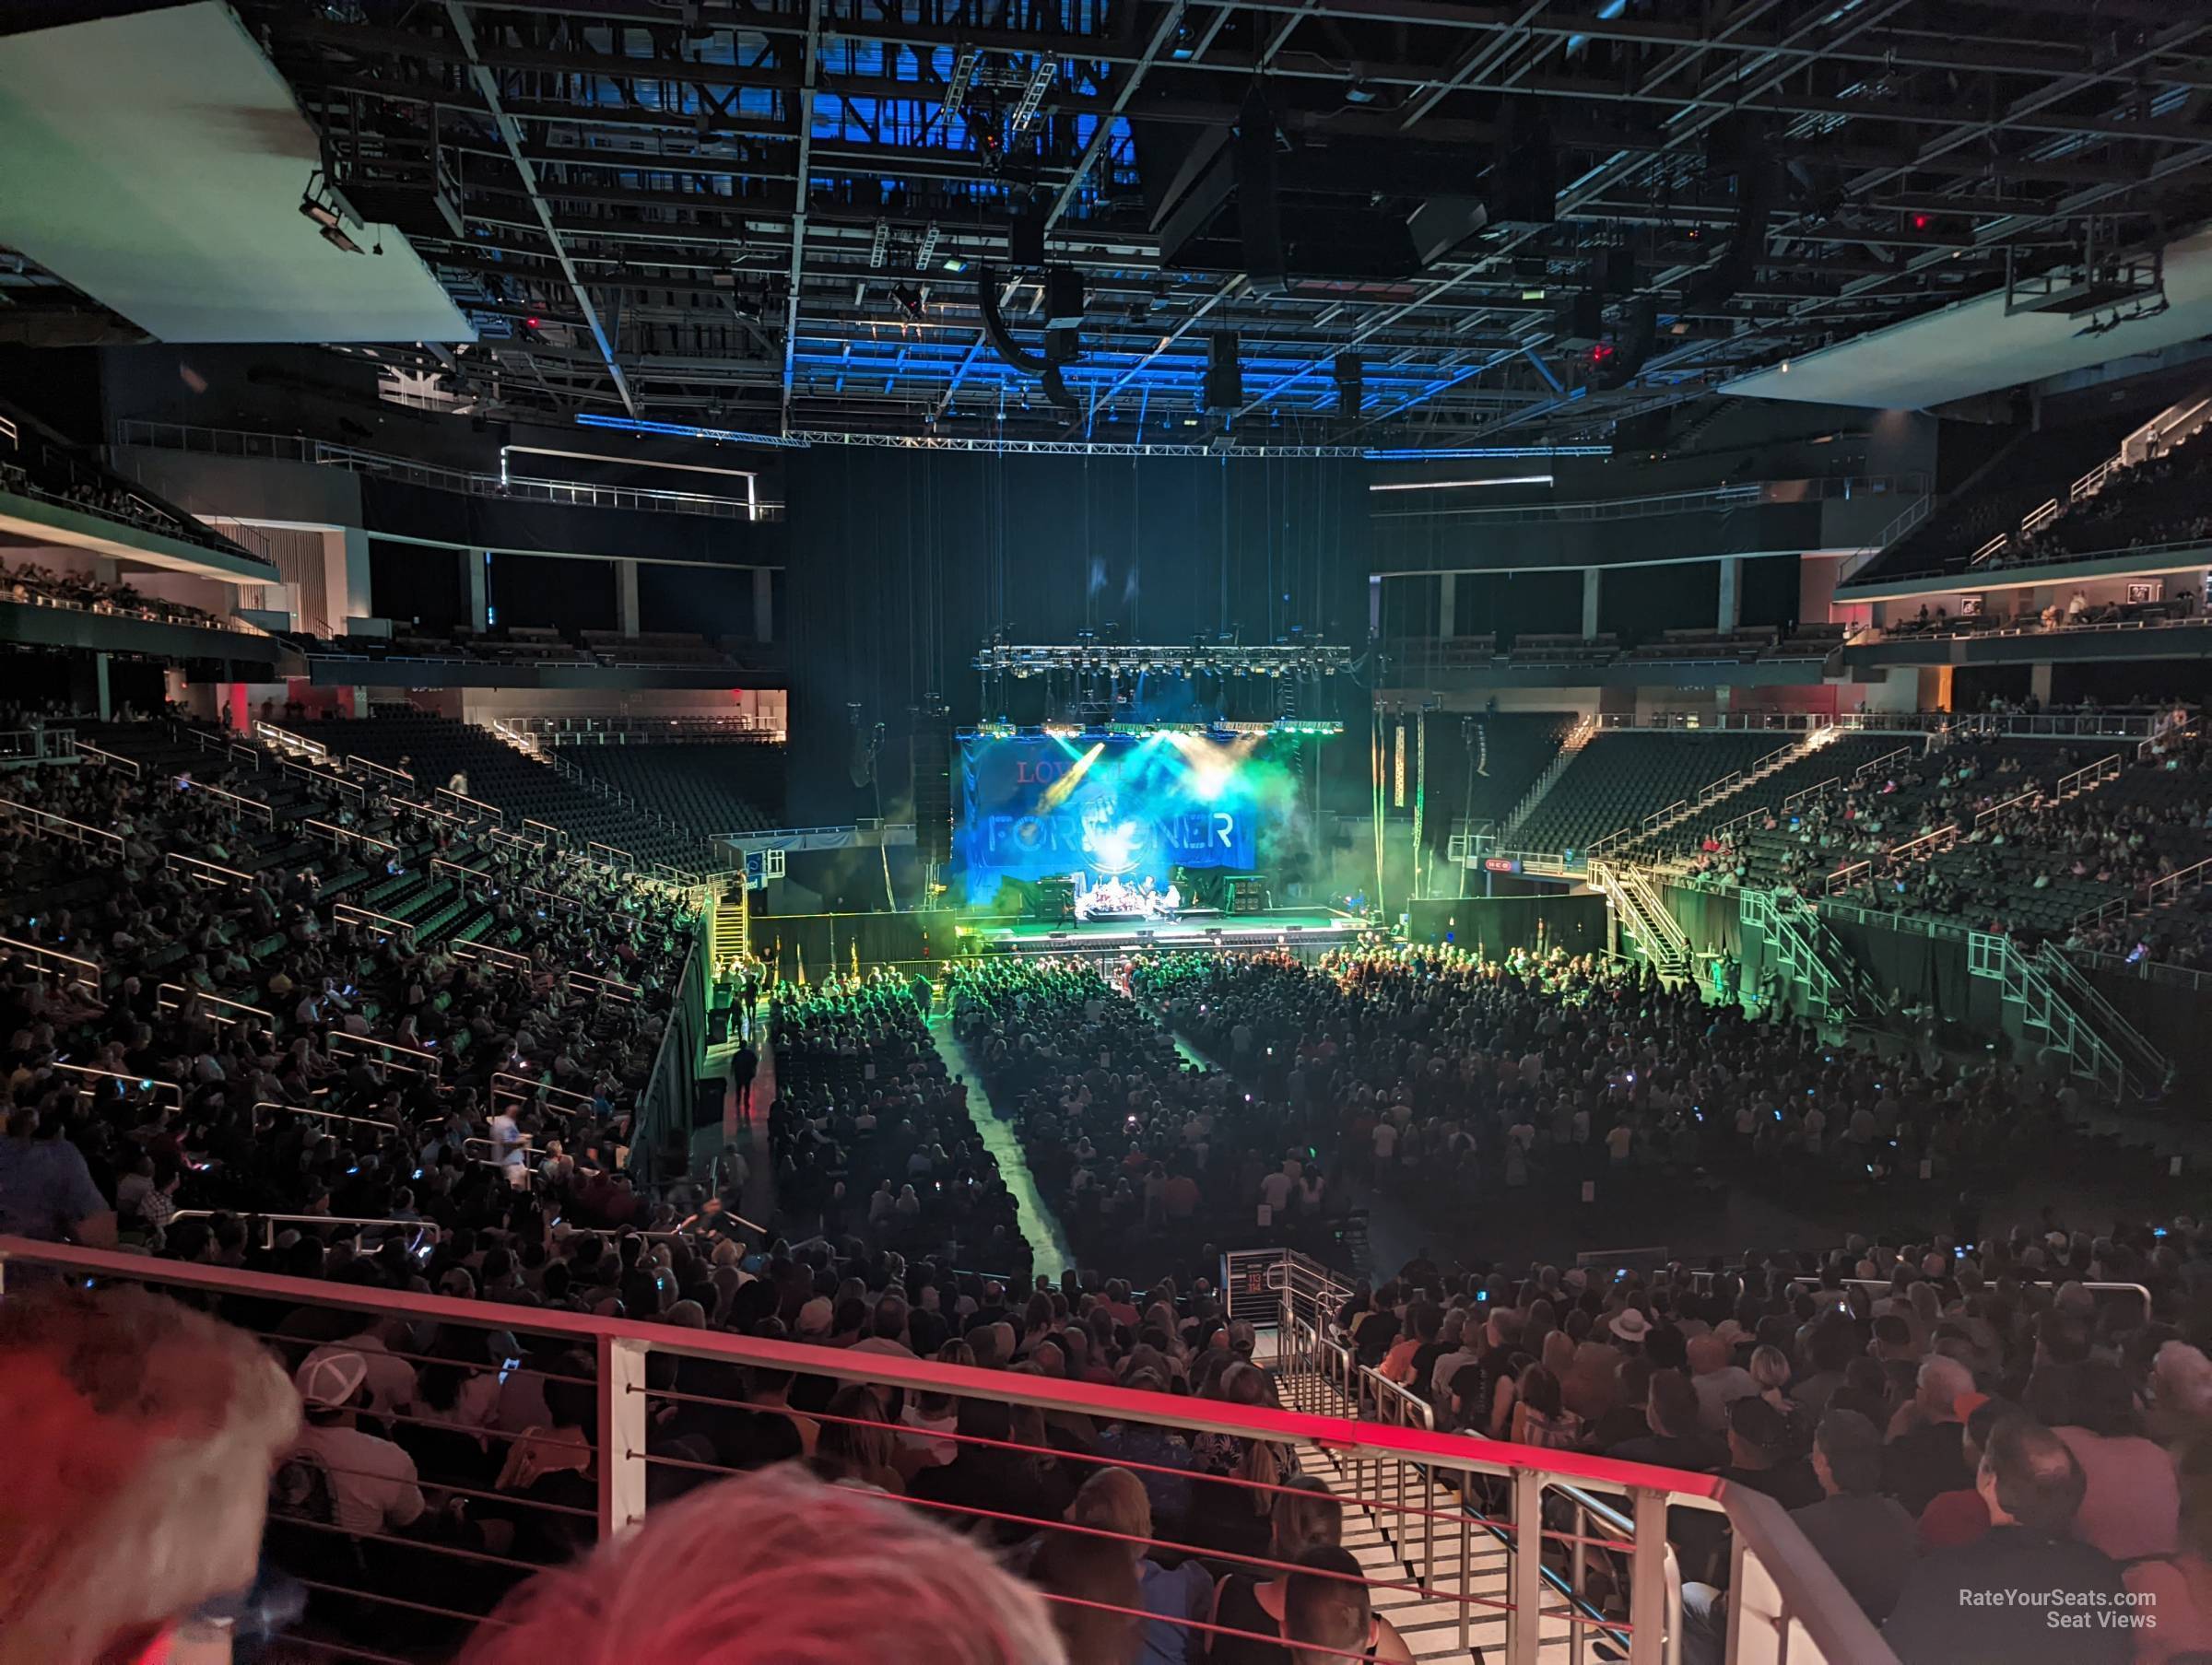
point(1048, 1244)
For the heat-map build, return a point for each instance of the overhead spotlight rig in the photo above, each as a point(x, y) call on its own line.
point(324, 204)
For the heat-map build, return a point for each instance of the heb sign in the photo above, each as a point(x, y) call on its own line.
point(1502, 863)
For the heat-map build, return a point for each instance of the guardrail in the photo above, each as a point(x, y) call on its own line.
point(174, 997)
point(355, 760)
point(1481, 1568)
point(208, 873)
point(492, 954)
point(391, 1054)
point(347, 835)
point(247, 806)
point(446, 795)
point(48, 824)
point(345, 913)
point(392, 1128)
point(285, 740)
point(601, 987)
point(75, 968)
point(324, 776)
point(107, 759)
point(145, 1083)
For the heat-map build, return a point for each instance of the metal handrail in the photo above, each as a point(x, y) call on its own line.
point(210, 873)
point(341, 835)
point(73, 966)
point(346, 913)
point(491, 953)
point(371, 764)
point(107, 759)
point(145, 1083)
point(498, 815)
point(267, 815)
point(74, 832)
point(1780, 1581)
point(173, 996)
point(392, 1128)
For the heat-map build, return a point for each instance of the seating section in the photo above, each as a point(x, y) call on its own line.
point(526, 645)
point(2035, 468)
point(1416, 656)
point(435, 749)
point(711, 788)
point(1836, 761)
point(1624, 775)
point(2160, 500)
point(1519, 747)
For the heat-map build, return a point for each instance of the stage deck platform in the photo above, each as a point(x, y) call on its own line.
point(1312, 927)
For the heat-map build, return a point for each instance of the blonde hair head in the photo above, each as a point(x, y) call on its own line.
point(141, 1437)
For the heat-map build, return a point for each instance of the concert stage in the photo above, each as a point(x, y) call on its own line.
point(1298, 929)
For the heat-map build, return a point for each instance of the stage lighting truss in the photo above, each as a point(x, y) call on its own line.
point(1306, 727)
point(1297, 659)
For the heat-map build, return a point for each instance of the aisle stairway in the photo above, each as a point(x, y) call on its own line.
point(1445, 1547)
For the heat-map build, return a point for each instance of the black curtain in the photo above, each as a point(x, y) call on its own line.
point(710, 601)
point(902, 563)
point(544, 592)
point(407, 583)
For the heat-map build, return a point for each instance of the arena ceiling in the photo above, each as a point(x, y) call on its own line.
point(769, 215)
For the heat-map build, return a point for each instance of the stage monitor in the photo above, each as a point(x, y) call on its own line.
point(1127, 807)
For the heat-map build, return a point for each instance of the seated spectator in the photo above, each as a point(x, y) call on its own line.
point(1247, 1608)
point(1325, 1606)
point(2176, 1590)
point(771, 1567)
point(337, 1473)
point(1865, 1538)
point(1924, 1456)
point(1965, 1606)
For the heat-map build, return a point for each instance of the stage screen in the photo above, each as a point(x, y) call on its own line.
point(1127, 807)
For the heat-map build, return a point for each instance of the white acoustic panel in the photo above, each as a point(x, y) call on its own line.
point(156, 161)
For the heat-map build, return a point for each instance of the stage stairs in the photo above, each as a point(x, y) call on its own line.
point(2038, 1012)
point(1821, 978)
point(1639, 911)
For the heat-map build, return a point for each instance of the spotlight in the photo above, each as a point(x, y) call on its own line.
point(910, 300)
point(336, 237)
point(320, 213)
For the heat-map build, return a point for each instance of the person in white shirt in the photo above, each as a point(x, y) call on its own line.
point(392, 1387)
point(507, 1140)
point(369, 1482)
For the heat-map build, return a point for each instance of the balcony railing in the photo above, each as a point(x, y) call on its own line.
point(296, 448)
point(1525, 1553)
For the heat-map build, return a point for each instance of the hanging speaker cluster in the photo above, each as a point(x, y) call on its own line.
point(1223, 388)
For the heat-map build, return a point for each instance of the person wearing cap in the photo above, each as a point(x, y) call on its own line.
point(1759, 1454)
point(368, 1481)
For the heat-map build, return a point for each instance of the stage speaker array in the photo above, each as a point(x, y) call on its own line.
point(931, 762)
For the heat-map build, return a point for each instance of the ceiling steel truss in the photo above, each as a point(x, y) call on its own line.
point(773, 215)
